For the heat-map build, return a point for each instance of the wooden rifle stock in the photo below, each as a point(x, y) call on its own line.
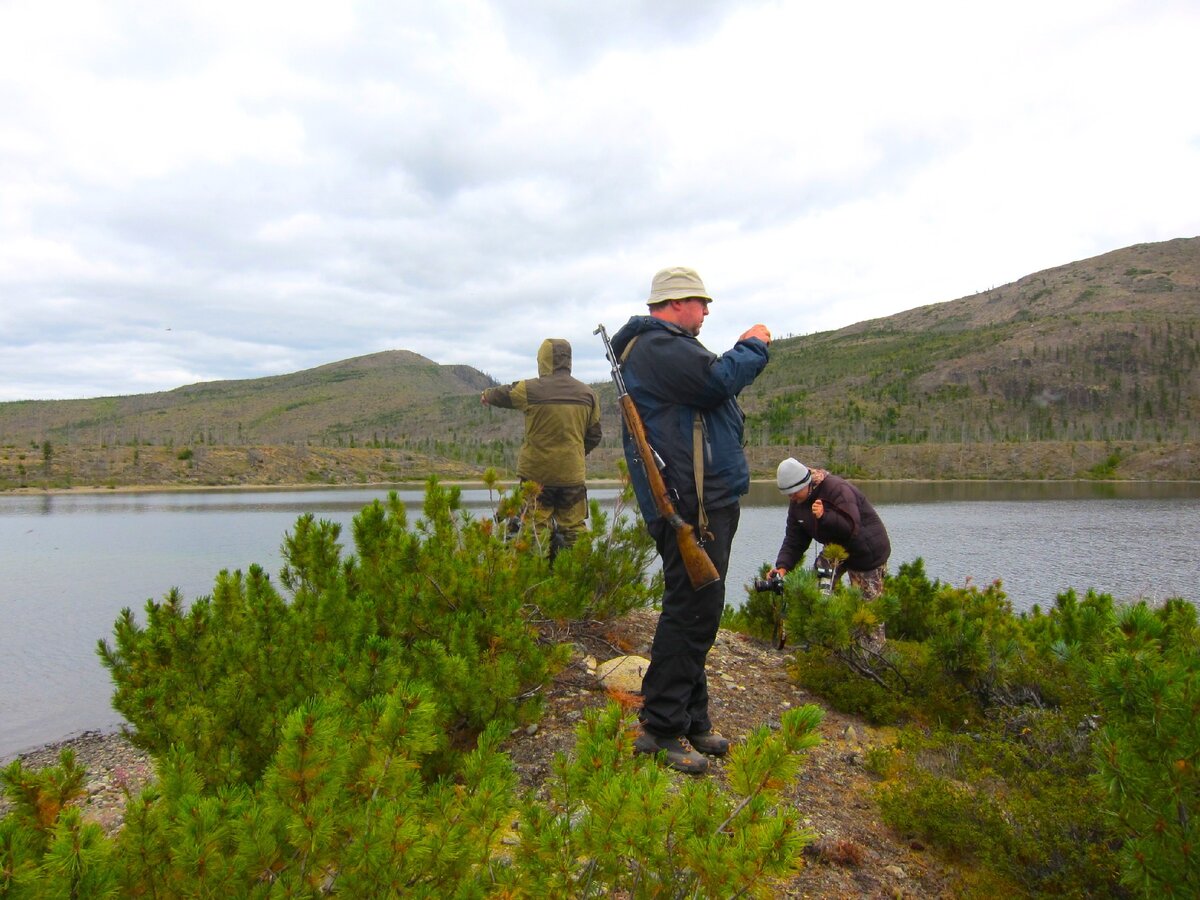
point(700, 569)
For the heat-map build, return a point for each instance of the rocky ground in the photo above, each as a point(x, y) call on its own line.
point(113, 766)
point(856, 855)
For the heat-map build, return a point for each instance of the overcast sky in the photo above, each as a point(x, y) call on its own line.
point(193, 191)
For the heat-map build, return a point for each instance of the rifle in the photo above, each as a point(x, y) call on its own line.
point(700, 568)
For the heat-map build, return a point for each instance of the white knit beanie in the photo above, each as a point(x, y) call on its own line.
point(792, 475)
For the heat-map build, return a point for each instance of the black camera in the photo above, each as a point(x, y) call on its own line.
point(774, 583)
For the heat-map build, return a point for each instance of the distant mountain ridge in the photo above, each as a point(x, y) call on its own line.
point(1101, 354)
point(349, 400)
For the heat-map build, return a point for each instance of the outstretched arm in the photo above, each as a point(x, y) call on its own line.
point(506, 396)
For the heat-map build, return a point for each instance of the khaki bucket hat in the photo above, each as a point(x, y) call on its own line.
point(676, 283)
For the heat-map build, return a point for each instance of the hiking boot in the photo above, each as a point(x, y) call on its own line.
point(678, 754)
point(709, 742)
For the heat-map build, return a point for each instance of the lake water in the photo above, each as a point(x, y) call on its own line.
point(70, 562)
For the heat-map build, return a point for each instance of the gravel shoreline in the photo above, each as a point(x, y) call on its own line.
point(115, 769)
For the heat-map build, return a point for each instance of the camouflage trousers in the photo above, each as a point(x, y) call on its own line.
point(567, 506)
point(869, 582)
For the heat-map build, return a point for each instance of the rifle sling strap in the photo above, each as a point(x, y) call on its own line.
point(698, 466)
point(697, 457)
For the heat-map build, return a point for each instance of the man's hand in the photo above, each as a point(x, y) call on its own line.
point(777, 571)
point(758, 331)
point(818, 508)
point(483, 398)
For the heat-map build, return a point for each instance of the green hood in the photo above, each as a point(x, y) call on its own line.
point(554, 356)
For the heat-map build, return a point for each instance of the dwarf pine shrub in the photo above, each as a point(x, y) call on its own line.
point(602, 577)
point(1010, 793)
point(1036, 745)
point(343, 808)
point(616, 824)
point(1148, 752)
point(445, 600)
point(346, 738)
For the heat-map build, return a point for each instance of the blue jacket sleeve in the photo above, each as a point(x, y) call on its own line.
point(737, 368)
point(699, 379)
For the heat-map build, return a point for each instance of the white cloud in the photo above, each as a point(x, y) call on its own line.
point(286, 185)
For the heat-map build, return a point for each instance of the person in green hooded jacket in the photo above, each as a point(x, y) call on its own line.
point(562, 425)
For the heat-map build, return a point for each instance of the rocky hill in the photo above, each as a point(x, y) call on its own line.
point(388, 397)
point(1090, 369)
point(1106, 348)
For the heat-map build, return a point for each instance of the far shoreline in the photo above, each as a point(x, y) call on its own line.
point(276, 486)
point(507, 483)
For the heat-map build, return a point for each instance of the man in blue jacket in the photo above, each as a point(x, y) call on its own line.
point(687, 398)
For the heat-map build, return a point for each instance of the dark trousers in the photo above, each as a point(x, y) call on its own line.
point(675, 688)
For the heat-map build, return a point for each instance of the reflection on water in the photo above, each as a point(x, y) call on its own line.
point(70, 563)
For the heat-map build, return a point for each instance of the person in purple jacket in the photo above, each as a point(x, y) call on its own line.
point(830, 510)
